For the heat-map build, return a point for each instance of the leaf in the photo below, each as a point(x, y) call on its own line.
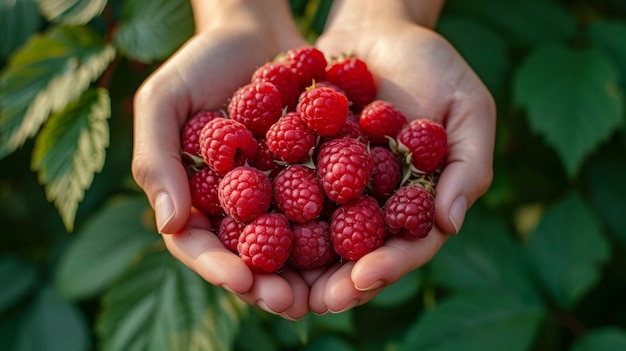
point(483, 256)
point(329, 342)
point(71, 11)
point(401, 291)
point(18, 280)
point(105, 248)
point(160, 304)
point(50, 71)
point(527, 22)
point(153, 29)
point(70, 149)
point(609, 35)
point(19, 19)
point(572, 100)
point(605, 339)
point(609, 195)
point(53, 324)
point(475, 321)
point(568, 250)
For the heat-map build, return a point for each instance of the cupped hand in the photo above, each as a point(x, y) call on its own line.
point(422, 75)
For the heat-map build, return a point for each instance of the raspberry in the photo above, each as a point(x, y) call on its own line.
point(323, 110)
point(352, 76)
point(190, 136)
point(290, 139)
point(380, 120)
point(387, 173)
point(265, 159)
point(311, 245)
point(229, 232)
point(265, 244)
point(327, 84)
point(203, 188)
point(257, 106)
point(344, 168)
point(298, 194)
point(245, 193)
point(351, 129)
point(425, 142)
point(226, 144)
point(283, 78)
point(357, 228)
point(308, 63)
point(410, 212)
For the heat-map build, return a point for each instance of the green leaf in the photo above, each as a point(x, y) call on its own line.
point(50, 71)
point(71, 11)
point(475, 321)
point(18, 280)
point(160, 304)
point(18, 20)
point(572, 100)
point(153, 29)
point(329, 342)
point(483, 256)
point(105, 247)
point(53, 324)
point(609, 35)
point(401, 291)
point(527, 22)
point(71, 148)
point(609, 195)
point(606, 339)
point(568, 250)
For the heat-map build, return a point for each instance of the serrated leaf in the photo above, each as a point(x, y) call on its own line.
point(609, 195)
point(483, 256)
point(52, 324)
point(18, 20)
point(50, 71)
point(160, 304)
point(568, 250)
point(71, 148)
point(605, 339)
point(475, 321)
point(153, 29)
point(105, 248)
point(572, 99)
point(73, 12)
point(18, 281)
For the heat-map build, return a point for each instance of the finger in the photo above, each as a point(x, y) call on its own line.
point(270, 292)
point(340, 293)
point(300, 306)
point(316, 297)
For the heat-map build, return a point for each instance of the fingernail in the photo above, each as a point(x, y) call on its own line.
point(349, 306)
point(377, 284)
point(457, 213)
point(262, 305)
point(164, 210)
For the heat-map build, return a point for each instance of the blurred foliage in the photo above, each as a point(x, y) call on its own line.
point(538, 264)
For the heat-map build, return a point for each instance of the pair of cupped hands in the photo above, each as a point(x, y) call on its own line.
point(415, 68)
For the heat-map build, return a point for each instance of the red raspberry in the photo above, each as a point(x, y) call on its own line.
point(311, 245)
point(351, 129)
point(298, 194)
point(283, 78)
point(410, 212)
point(344, 168)
point(357, 228)
point(190, 136)
point(308, 63)
point(327, 84)
point(245, 193)
point(352, 76)
point(387, 173)
point(380, 120)
point(265, 159)
point(425, 142)
point(203, 188)
point(290, 139)
point(323, 110)
point(226, 144)
point(229, 232)
point(265, 244)
point(257, 106)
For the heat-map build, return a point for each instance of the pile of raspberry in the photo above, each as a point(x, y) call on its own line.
point(305, 167)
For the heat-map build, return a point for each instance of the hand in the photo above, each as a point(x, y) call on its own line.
point(421, 74)
point(233, 38)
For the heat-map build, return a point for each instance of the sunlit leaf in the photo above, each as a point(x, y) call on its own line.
point(475, 321)
point(153, 29)
point(18, 20)
point(71, 148)
point(568, 250)
point(105, 247)
point(572, 99)
point(160, 304)
point(71, 11)
point(18, 280)
point(50, 71)
point(606, 339)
